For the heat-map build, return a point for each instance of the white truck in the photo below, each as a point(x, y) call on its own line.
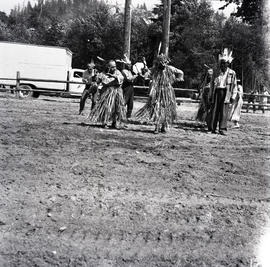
point(39, 62)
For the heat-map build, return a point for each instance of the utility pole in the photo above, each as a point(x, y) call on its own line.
point(127, 28)
point(166, 27)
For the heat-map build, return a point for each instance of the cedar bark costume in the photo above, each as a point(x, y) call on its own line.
point(111, 104)
point(161, 105)
point(204, 110)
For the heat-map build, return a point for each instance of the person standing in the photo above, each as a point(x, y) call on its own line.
point(89, 78)
point(203, 114)
point(111, 105)
point(223, 93)
point(161, 105)
point(143, 74)
point(128, 89)
point(236, 107)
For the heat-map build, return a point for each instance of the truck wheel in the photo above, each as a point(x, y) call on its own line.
point(35, 94)
point(25, 94)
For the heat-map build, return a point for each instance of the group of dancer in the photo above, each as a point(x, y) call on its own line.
point(112, 94)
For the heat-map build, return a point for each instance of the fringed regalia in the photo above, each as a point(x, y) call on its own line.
point(111, 104)
point(235, 110)
point(205, 105)
point(161, 104)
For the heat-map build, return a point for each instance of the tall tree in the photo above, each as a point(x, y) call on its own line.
point(195, 36)
point(256, 55)
point(249, 10)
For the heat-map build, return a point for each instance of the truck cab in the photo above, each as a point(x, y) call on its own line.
point(70, 89)
point(75, 75)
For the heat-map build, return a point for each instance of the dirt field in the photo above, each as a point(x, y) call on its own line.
point(76, 195)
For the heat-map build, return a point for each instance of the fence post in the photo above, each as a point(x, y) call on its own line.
point(17, 83)
point(67, 84)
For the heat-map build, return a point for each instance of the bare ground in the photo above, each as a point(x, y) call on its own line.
point(72, 194)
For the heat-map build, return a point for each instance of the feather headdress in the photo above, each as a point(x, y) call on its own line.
point(226, 55)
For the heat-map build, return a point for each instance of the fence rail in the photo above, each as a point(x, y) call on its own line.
point(39, 90)
point(21, 81)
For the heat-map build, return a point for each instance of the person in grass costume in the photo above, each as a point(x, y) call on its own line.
point(161, 105)
point(111, 104)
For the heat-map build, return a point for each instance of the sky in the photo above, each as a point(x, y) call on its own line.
point(7, 5)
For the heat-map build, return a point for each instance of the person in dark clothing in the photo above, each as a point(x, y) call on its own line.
point(204, 111)
point(127, 86)
point(89, 78)
point(223, 93)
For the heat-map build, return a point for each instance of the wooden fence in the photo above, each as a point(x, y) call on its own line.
point(23, 80)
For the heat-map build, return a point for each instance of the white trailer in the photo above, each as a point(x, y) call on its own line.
point(39, 62)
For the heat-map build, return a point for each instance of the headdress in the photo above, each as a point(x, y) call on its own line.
point(101, 59)
point(92, 63)
point(226, 55)
point(162, 59)
point(125, 60)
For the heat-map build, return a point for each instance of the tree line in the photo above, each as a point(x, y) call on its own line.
point(91, 28)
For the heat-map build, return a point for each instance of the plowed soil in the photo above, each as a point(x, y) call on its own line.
point(74, 194)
